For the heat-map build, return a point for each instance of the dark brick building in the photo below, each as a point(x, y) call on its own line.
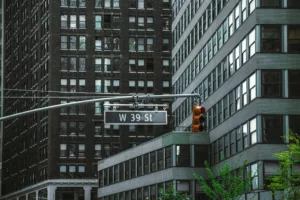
point(70, 50)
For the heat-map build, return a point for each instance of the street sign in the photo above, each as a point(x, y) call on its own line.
point(132, 117)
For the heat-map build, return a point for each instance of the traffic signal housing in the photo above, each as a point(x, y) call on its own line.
point(198, 121)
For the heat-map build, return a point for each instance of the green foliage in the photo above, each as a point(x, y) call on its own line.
point(286, 179)
point(172, 194)
point(226, 185)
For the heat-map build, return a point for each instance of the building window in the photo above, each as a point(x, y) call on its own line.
point(81, 85)
point(107, 65)
point(252, 86)
point(73, 21)
point(294, 83)
point(81, 21)
point(81, 64)
point(98, 3)
point(150, 23)
point(64, 42)
point(82, 3)
point(141, 45)
point(73, 3)
point(81, 150)
point(294, 39)
point(272, 132)
point(141, 22)
point(116, 3)
point(97, 108)
point(132, 22)
point(270, 3)
point(132, 44)
point(98, 43)
point(271, 38)
point(150, 44)
point(64, 63)
point(294, 125)
point(293, 4)
point(271, 83)
point(63, 3)
point(182, 155)
point(98, 22)
point(245, 135)
point(98, 62)
point(233, 142)
point(146, 163)
point(107, 4)
point(141, 4)
point(97, 151)
point(63, 85)
point(165, 46)
point(73, 42)
point(82, 40)
point(63, 150)
point(252, 46)
point(64, 21)
point(253, 133)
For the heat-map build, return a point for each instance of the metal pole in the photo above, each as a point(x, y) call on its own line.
point(164, 96)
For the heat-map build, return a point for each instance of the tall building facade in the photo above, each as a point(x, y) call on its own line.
point(69, 50)
point(1, 86)
point(242, 57)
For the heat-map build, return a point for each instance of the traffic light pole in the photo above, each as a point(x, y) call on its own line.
point(134, 97)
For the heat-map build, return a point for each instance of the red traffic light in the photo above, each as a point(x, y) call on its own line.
point(198, 118)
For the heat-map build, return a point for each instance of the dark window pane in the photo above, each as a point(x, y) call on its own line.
point(293, 3)
point(183, 155)
point(168, 157)
point(153, 161)
point(294, 83)
point(270, 3)
point(294, 124)
point(201, 155)
point(294, 39)
point(271, 83)
point(272, 129)
point(271, 38)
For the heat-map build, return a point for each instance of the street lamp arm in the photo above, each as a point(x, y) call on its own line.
point(164, 96)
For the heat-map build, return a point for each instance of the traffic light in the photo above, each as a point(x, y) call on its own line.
point(198, 120)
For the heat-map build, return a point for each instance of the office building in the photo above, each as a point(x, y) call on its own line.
point(62, 51)
point(242, 57)
point(168, 161)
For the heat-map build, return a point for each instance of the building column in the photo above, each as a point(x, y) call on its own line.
point(37, 194)
point(51, 192)
point(87, 192)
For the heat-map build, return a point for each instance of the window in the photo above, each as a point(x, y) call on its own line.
point(270, 3)
point(107, 4)
point(141, 22)
point(81, 21)
point(97, 150)
point(272, 129)
point(98, 43)
point(233, 142)
point(132, 3)
point(73, 3)
point(62, 169)
point(73, 42)
point(81, 150)
point(150, 44)
point(252, 86)
point(200, 155)
point(165, 46)
point(63, 3)
point(107, 65)
point(244, 93)
point(73, 63)
point(64, 63)
point(72, 85)
point(182, 155)
point(97, 108)
point(238, 97)
point(253, 134)
point(64, 21)
point(294, 123)
point(150, 23)
point(294, 39)
point(133, 167)
point(98, 22)
point(63, 150)
point(252, 43)
point(141, 4)
point(98, 62)
point(81, 64)
point(82, 3)
point(63, 42)
point(245, 135)
point(81, 169)
point(146, 163)
point(271, 83)
point(81, 85)
point(132, 44)
point(73, 21)
point(141, 46)
point(294, 84)
point(293, 4)
point(98, 3)
point(132, 22)
point(271, 38)
point(63, 85)
point(82, 40)
point(166, 24)
point(116, 3)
